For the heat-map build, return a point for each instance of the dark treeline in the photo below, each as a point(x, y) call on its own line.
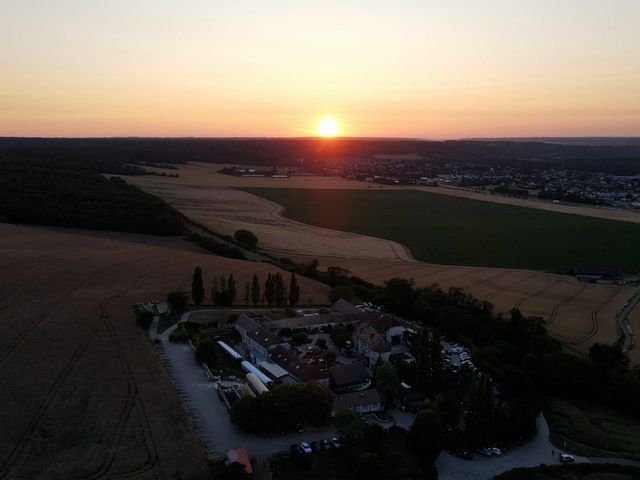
point(115, 152)
point(70, 194)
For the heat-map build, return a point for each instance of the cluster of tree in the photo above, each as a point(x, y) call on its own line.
point(276, 293)
point(246, 239)
point(68, 194)
point(394, 453)
point(144, 319)
point(223, 292)
point(115, 153)
point(282, 408)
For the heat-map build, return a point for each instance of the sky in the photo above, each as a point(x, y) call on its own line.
point(402, 68)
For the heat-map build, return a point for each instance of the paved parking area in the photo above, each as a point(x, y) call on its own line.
point(209, 414)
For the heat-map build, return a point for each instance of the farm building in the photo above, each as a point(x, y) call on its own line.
point(288, 359)
point(351, 377)
point(255, 336)
point(365, 401)
point(600, 274)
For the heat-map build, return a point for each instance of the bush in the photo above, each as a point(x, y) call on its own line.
point(300, 339)
point(246, 239)
point(179, 335)
point(177, 300)
point(144, 319)
point(321, 343)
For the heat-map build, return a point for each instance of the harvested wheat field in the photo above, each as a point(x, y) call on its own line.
point(84, 393)
point(577, 314)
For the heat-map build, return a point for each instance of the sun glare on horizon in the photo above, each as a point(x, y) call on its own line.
point(328, 127)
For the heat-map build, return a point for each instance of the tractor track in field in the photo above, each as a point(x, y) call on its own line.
point(594, 319)
point(21, 337)
point(569, 299)
point(133, 399)
point(537, 292)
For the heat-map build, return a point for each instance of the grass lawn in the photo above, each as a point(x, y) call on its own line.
point(458, 231)
point(592, 430)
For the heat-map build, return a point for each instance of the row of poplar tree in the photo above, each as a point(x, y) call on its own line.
point(224, 292)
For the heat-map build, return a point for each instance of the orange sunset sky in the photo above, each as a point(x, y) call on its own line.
point(428, 69)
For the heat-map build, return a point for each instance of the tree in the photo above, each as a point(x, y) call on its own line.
point(255, 290)
point(197, 288)
point(246, 239)
point(609, 357)
point(300, 338)
point(387, 382)
point(428, 352)
point(177, 300)
point(215, 293)
point(341, 291)
point(427, 436)
point(349, 427)
point(269, 290)
point(369, 466)
point(337, 275)
point(340, 336)
point(247, 293)
point(231, 291)
point(207, 352)
point(294, 290)
point(279, 291)
point(144, 319)
point(479, 413)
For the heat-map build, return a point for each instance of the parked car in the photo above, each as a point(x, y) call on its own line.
point(325, 444)
point(315, 446)
point(300, 428)
point(295, 449)
point(496, 451)
point(335, 443)
point(486, 452)
point(566, 458)
point(305, 447)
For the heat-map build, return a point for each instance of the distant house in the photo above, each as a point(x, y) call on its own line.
point(365, 401)
point(351, 377)
point(240, 455)
point(255, 336)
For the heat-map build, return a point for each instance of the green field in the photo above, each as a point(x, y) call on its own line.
point(458, 231)
point(592, 430)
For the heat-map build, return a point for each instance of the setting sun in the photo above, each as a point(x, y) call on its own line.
point(328, 127)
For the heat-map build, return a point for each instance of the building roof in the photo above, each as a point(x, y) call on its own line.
point(240, 455)
point(259, 334)
point(356, 399)
point(310, 321)
point(381, 322)
point(288, 359)
point(343, 306)
point(273, 369)
point(374, 339)
point(343, 375)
